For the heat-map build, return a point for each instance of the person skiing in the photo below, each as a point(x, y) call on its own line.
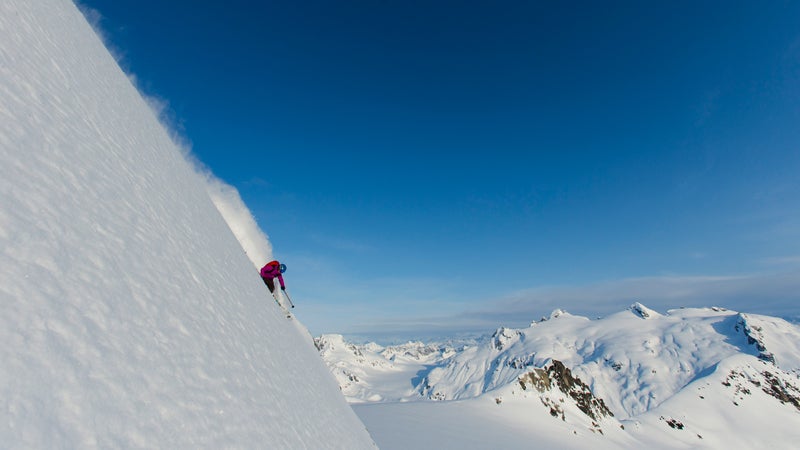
point(270, 271)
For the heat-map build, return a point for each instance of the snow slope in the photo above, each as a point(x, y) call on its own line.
point(689, 378)
point(131, 315)
point(736, 405)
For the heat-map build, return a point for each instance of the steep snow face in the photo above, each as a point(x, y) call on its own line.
point(131, 316)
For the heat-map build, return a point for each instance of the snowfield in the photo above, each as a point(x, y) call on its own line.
point(132, 317)
point(687, 378)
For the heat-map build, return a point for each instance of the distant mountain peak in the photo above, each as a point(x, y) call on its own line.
point(643, 311)
point(503, 336)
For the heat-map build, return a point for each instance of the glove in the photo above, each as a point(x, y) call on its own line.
point(283, 288)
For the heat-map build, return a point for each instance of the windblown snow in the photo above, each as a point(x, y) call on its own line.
point(131, 316)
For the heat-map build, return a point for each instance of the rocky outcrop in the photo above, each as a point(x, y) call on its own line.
point(754, 335)
point(643, 311)
point(771, 380)
point(557, 376)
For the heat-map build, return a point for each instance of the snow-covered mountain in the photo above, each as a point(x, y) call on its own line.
point(131, 316)
point(689, 377)
point(372, 373)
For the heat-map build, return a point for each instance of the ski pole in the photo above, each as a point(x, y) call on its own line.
point(288, 298)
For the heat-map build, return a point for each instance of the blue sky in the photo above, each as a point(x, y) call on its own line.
point(426, 168)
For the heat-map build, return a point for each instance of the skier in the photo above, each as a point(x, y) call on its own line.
point(273, 270)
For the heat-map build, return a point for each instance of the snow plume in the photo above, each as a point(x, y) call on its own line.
point(240, 220)
point(225, 197)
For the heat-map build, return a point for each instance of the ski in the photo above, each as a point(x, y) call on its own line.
point(278, 302)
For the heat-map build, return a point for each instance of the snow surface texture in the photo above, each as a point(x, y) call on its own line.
point(689, 378)
point(131, 315)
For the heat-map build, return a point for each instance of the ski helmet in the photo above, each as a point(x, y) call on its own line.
point(283, 268)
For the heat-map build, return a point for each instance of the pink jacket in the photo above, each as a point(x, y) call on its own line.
point(273, 270)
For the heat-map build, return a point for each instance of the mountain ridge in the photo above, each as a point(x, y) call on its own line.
point(636, 364)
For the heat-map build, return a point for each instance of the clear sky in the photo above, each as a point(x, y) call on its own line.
point(436, 167)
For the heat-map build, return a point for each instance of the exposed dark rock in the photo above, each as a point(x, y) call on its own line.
point(672, 423)
point(522, 362)
point(785, 392)
point(556, 375)
point(640, 310)
point(755, 337)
